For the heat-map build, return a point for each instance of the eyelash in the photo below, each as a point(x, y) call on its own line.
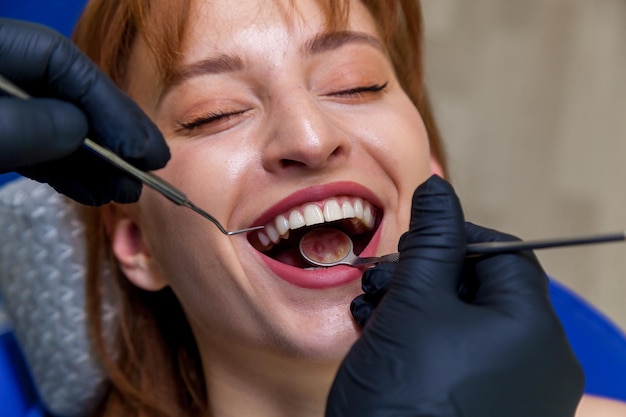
point(213, 117)
point(208, 118)
point(358, 91)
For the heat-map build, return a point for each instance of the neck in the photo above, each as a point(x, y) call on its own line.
point(241, 382)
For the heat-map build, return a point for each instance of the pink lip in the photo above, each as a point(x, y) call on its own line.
point(317, 193)
point(324, 277)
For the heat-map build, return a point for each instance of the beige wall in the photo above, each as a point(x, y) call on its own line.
point(531, 98)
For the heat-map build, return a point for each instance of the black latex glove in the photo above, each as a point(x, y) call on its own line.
point(495, 350)
point(41, 137)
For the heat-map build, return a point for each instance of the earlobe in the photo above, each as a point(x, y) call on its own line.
point(132, 254)
point(435, 167)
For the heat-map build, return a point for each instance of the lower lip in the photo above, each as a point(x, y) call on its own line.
point(321, 278)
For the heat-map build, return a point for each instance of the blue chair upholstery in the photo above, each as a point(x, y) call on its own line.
point(60, 15)
point(598, 343)
point(18, 397)
point(4, 178)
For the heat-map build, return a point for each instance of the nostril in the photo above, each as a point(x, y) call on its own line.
point(287, 163)
point(311, 161)
point(337, 152)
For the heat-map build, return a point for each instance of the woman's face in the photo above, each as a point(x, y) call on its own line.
point(272, 121)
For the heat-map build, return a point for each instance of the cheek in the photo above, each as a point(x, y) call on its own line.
point(398, 140)
point(178, 240)
point(215, 174)
point(181, 242)
point(411, 150)
point(409, 141)
point(197, 169)
point(198, 261)
point(194, 260)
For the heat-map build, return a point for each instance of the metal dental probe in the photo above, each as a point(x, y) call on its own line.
point(492, 248)
point(348, 257)
point(156, 183)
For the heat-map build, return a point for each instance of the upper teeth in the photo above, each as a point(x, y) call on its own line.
point(360, 211)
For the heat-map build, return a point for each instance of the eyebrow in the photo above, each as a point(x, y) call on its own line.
point(214, 65)
point(324, 42)
point(319, 44)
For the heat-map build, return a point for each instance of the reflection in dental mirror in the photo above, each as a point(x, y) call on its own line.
point(326, 246)
point(330, 247)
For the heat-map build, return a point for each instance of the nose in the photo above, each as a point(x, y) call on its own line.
point(303, 135)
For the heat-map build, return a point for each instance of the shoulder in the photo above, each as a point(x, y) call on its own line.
point(592, 406)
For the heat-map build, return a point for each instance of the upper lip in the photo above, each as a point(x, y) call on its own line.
point(317, 193)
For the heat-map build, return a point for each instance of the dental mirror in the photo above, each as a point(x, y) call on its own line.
point(328, 247)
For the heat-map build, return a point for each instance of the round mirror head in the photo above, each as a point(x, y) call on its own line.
point(325, 246)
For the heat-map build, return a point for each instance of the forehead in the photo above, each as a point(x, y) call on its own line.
point(219, 24)
point(242, 28)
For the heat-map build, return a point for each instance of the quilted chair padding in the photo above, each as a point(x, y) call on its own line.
point(42, 283)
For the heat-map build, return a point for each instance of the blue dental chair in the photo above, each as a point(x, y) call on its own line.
point(599, 344)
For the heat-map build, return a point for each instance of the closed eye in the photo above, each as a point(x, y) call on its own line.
point(362, 90)
point(210, 118)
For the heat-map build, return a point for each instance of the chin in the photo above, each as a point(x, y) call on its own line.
point(324, 335)
point(327, 347)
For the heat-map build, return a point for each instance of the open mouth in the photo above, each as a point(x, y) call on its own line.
point(279, 240)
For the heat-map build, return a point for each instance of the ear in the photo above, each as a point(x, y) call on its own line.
point(130, 249)
point(435, 167)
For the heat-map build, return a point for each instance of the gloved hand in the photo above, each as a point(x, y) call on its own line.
point(455, 337)
point(41, 137)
